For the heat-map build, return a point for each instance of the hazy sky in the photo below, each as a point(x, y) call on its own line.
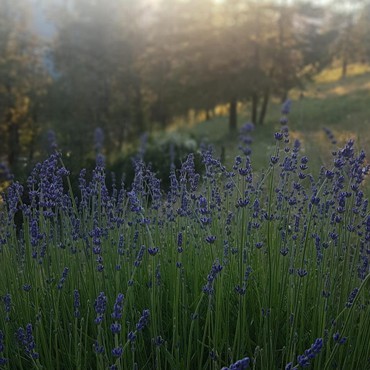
point(45, 28)
point(40, 23)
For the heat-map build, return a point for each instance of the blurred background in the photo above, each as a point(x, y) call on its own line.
point(90, 76)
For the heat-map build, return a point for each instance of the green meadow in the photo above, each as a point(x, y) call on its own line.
point(342, 105)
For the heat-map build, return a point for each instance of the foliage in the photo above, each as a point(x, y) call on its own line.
point(23, 83)
point(163, 154)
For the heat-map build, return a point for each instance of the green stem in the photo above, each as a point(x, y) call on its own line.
point(328, 362)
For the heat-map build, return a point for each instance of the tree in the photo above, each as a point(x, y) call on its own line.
point(362, 32)
point(95, 53)
point(23, 83)
point(347, 45)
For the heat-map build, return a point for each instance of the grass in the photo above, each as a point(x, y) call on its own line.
point(340, 105)
point(269, 270)
point(262, 263)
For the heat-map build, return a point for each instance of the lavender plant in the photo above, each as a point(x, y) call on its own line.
point(266, 270)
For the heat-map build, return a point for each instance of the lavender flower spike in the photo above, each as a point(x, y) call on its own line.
point(239, 365)
point(143, 321)
point(26, 340)
point(100, 306)
point(3, 360)
point(309, 354)
point(285, 108)
point(118, 307)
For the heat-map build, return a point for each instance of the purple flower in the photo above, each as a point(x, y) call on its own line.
point(5, 174)
point(205, 220)
point(240, 289)
point(46, 186)
point(245, 138)
point(26, 340)
point(239, 365)
point(309, 354)
point(131, 336)
point(14, 193)
point(179, 239)
point(330, 135)
point(285, 108)
point(98, 139)
point(117, 351)
point(2, 347)
point(139, 256)
point(274, 159)
point(188, 174)
point(278, 136)
point(259, 245)
point(283, 120)
point(143, 321)
point(100, 306)
point(352, 297)
point(7, 302)
point(154, 185)
point(98, 348)
point(210, 239)
point(301, 272)
point(118, 307)
point(63, 278)
point(115, 328)
point(52, 141)
point(8, 305)
point(158, 341)
point(339, 339)
point(143, 144)
point(215, 270)
point(76, 303)
point(134, 202)
point(153, 251)
point(247, 127)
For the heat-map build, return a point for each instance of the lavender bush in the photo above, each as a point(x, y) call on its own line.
point(231, 269)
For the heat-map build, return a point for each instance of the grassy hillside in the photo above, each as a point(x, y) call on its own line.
point(343, 106)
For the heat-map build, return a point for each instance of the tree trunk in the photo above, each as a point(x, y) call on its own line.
point(159, 113)
point(13, 145)
point(255, 100)
point(31, 150)
point(233, 115)
point(344, 67)
point(208, 114)
point(138, 118)
point(265, 102)
point(164, 121)
point(346, 45)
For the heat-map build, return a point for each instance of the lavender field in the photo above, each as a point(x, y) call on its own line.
point(231, 268)
point(162, 207)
